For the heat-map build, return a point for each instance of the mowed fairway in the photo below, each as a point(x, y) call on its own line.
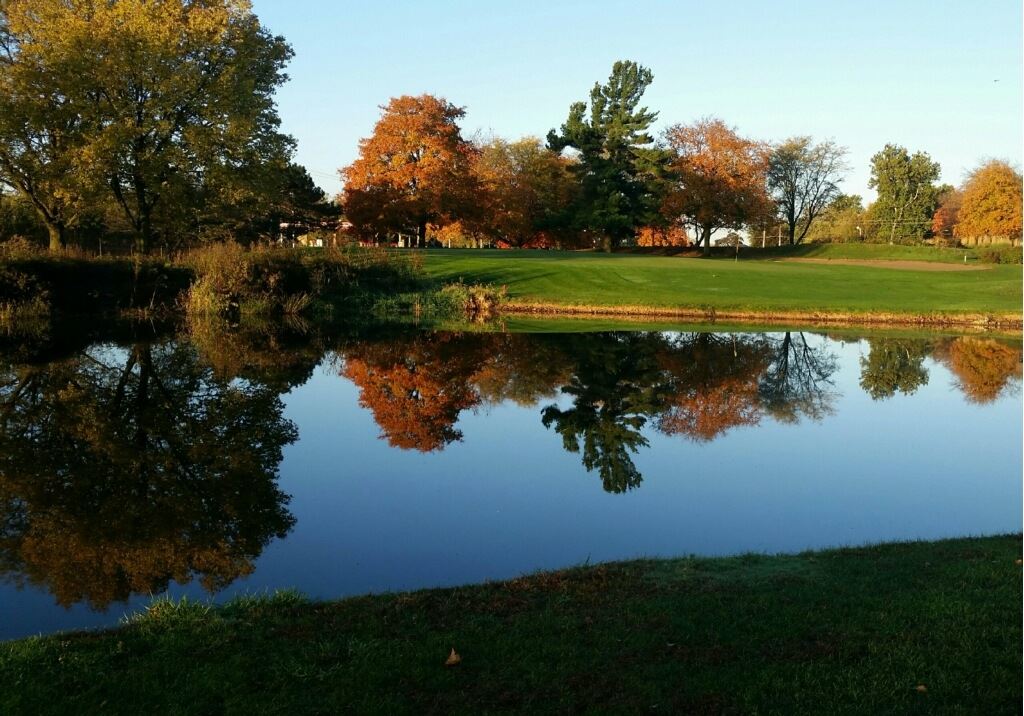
point(595, 279)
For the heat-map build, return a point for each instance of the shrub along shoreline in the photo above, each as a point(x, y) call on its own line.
point(229, 281)
point(899, 627)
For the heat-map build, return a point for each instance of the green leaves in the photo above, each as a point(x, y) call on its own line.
point(906, 193)
point(618, 172)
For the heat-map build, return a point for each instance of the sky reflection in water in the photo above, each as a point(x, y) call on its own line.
point(235, 463)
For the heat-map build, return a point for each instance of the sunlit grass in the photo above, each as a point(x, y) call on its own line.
point(594, 279)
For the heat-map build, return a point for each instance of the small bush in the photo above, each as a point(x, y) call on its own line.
point(18, 247)
point(1001, 255)
point(231, 279)
point(476, 301)
point(21, 295)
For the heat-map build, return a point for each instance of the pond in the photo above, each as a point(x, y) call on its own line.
point(215, 463)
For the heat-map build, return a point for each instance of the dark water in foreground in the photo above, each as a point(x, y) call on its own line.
point(229, 463)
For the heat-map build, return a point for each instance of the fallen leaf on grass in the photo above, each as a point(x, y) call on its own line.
point(453, 658)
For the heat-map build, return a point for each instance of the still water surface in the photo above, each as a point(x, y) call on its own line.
point(227, 464)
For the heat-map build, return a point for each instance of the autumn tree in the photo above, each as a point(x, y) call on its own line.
point(414, 170)
point(43, 136)
point(992, 199)
point(719, 179)
point(984, 367)
point(714, 386)
point(672, 235)
point(906, 193)
point(944, 220)
point(803, 179)
point(620, 169)
point(527, 192)
point(124, 469)
point(415, 388)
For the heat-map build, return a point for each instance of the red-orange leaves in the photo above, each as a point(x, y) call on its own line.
point(413, 170)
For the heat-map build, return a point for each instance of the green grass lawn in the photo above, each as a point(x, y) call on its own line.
point(883, 252)
point(750, 284)
point(900, 628)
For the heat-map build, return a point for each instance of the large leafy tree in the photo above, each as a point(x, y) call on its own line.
point(719, 179)
point(984, 368)
point(615, 388)
point(621, 170)
point(154, 102)
point(893, 366)
point(803, 178)
point(842, 220)
point(991, 204)
point(42, 132)
point(527, 192)
point(414, 170)
point(122, 470)
point(906, 193)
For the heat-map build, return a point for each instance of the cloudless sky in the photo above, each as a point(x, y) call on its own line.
point(932, 75)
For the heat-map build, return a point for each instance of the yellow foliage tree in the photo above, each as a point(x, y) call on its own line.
point(991, 204)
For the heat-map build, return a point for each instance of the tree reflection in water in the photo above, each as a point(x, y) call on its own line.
point(122, 470)
point(697, 385)
point(616, 386)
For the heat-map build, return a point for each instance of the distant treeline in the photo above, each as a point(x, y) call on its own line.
point(153, 125)
point(603, 179)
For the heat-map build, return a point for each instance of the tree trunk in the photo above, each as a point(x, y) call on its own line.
point(606, 244)
point(421, 234)
point(705, 237)
point(57, 237)
point(144, 236)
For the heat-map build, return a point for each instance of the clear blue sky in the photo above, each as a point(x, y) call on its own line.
point(917, 73)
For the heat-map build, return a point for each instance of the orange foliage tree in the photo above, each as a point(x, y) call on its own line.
point(984, 367)
point(720, 179)
point(414, 170)
point(527, 192)
point(715, 386)
point(992, 200)
point(415, 389)
point(662, 236)
point(945, 217)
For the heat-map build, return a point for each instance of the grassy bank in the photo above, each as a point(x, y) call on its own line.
point(567, 282)
point(901, 628)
